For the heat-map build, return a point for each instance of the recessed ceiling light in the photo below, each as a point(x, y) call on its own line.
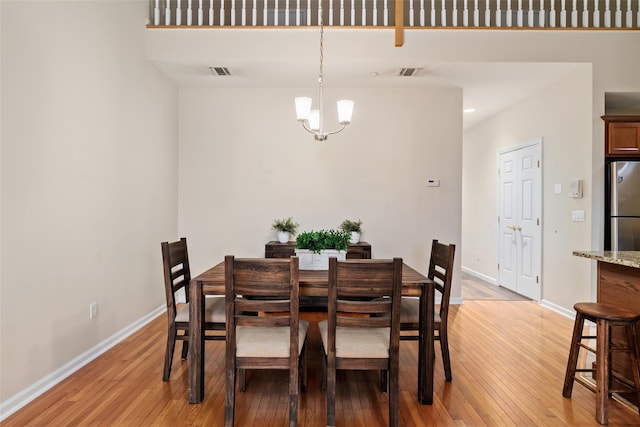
point(469, 110)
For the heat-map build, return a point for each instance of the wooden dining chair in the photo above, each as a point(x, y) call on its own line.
point(177, 275)
point(441, 272)
point(362, 329)
point(263, 326)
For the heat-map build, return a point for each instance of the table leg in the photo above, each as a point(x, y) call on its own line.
point(426, 346)
point(196, 343)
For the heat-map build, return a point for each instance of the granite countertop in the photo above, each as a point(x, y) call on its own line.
point(628, 258)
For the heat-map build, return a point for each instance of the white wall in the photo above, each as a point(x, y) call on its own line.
point(561, 115)
point(245, 160)
point(89, 180)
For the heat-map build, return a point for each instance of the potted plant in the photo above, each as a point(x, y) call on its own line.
point(352, 227)
point(314, 248)
point(285, 228)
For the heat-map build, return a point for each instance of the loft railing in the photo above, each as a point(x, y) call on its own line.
point(465, 14)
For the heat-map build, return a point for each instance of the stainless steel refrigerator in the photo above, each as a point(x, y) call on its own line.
point(624, 206)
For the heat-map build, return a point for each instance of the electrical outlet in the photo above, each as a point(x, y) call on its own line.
point(93, 310)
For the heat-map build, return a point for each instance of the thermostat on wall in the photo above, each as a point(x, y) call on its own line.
point(433, 183)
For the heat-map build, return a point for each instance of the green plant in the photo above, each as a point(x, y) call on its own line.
point(285, 225)
point(316, 241)
point(351, 226)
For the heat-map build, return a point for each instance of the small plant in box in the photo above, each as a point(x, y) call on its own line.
point(285, 228)
point(354, 228)
point(315, 247)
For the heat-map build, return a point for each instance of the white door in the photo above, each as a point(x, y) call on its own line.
point(520, 210)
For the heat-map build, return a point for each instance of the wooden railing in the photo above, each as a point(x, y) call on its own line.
point(486, 14)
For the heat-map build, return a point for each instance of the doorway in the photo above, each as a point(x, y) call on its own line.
point(519, 226)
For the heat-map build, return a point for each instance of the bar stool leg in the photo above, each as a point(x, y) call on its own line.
point(632, 339)
point(573, 355)
point(603, 361)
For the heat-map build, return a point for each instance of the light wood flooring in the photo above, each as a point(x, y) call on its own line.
point(508, 361)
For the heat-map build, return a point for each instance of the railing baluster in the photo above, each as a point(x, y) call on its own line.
point(443, 14)
point(385, 14)
point(433, 13)
point(541, 15)
point(286, 13)
point(319, 11)
point(498, 14)
point(275, 13)
point(265, 13)
point(200, 14)
point(178, 13)
point(254, 13)
point(243, 13)
point(353, 13)
point(465, 14)
point(607, 14)
point(167, 13)
point(530, 15)
point(618, 14)
point(308, 12)
point(638, 15)
point(585, 15)
point(509, 14)
point(423, 22)
point(298, 13)
point(476, 14)
point(233, 13)
point(629, 17)
point(552, 14)
point(563, 14)
point(596, 16)
point(374, 13)
point(156, 13)
point(574, 14)
point(454, 14)
point(519, 15)
point(364, 13)
point(189, 13)
point(487, 14)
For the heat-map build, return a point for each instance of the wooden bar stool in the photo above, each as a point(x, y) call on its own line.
point(604, 316)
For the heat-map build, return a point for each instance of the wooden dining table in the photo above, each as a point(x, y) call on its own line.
point(313, 283)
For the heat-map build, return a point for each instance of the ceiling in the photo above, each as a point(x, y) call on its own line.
point(273, 58)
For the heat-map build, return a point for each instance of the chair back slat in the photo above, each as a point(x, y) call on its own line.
point(263, 321)
point(441, 272)
point(177, 274)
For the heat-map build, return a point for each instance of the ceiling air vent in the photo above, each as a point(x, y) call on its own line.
point(409, 72)
point(220, 71)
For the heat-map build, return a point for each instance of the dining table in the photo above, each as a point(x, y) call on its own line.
point(313, 283)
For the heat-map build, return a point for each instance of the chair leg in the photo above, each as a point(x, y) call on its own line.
point(632, 337)
point(323, 382)
point(185, 348)
point(243, 380)
point(168, 354)
point(444, 348)
point(573, 356)
point(303, 369)
point(294, 387)
point(393, 395)
point(230, 397)
point(331, 394)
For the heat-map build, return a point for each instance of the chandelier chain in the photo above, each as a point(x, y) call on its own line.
point(321, 76)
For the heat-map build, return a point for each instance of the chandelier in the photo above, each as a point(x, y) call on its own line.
point(313, 120)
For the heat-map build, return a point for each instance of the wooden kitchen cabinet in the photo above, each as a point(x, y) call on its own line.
point(622, 136)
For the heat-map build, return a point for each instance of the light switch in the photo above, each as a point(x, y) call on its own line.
point(577, 215)
point(557, 189)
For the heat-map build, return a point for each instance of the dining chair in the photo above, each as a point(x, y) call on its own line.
point(263, 326)
point(177, 275)
point(362, 329)
point(441, 272)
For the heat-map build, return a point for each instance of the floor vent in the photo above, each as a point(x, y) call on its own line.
point(220, 71)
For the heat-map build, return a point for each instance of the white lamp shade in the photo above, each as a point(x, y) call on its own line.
point(303, 107)
point(345, 110)
point(314, 120)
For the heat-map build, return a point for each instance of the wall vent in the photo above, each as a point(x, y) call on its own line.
point(219, 71)
point(409, 72)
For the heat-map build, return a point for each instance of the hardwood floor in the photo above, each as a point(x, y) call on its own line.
point(477, 289)
point(508, 362)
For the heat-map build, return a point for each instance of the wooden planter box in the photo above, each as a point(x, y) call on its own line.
point(313, 261)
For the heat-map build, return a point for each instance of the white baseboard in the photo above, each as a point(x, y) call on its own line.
point(481, 276)
point(558, 309)
point(22, 398)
